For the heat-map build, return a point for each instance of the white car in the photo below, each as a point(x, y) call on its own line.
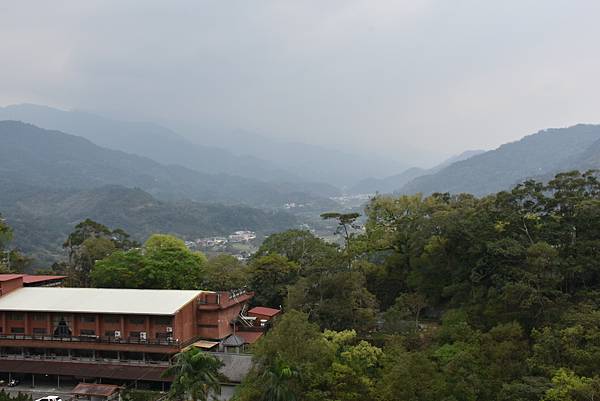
point(50, 398)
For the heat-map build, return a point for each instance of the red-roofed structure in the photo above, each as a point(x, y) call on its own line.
point(45, 280)
point(9, 282)
point(9, 277)
point(106, 333)
point(250, 337)
point(262, 312)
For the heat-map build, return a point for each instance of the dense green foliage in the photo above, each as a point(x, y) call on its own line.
point(195, 376)
point(297, 361)
point(224, 272)
point(90, 241)
point(298, 246)
point(164, 262)
point(493, 298)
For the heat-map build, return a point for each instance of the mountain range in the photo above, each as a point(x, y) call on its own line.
point(52, 159)
point(392, 183)
point(212, 150)
point(50, 180)
point(540, 156)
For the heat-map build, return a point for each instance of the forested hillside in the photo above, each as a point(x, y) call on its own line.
point(440, 298)
point(446, 298)
point(51, 159)
point(43, 218)
point(542, 154)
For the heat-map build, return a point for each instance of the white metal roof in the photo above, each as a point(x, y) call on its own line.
point(97, 300)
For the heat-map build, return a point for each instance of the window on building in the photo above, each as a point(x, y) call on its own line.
point(134, 334)
point(137, 320)
point(40, 317)
point(40, 330)
point(16, 316)
point(88, 319)
point(162, 320)
point(1, 329)
point(111, 319)
point(87, 332)
point(17, 330)
point(109, 333)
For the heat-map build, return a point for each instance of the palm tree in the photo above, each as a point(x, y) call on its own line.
point(279, 382)
point(195, 375)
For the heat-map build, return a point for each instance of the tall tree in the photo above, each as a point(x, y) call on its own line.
point(301, 247)
point(224, 272)
point(195, 376)
point(270, 277)
point(91, 241)
point(346, 222)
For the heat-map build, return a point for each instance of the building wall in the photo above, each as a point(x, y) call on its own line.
point(184, 325)
point(10, 285)
point(208, 317)
point(43, 323)
point(216, 324)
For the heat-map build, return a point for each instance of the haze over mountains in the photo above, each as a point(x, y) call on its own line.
point(213, 151)
point(393, 182)
point(211, 173)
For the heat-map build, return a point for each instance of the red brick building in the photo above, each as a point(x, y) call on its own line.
point(95, 333)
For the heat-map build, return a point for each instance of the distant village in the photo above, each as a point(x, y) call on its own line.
point(238, 243)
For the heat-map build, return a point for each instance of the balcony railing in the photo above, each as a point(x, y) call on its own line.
point(92, 339)
point(79, 359)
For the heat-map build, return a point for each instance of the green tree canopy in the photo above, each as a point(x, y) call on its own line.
point(224, 272)
point(195, 376)
point(89, 242)
point(269, 276)
point(301, 247)
point(164, 262)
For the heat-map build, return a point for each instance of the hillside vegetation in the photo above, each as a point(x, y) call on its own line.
point(539, 155)
point(43, 218)
point(52, 159)
point(444, 297)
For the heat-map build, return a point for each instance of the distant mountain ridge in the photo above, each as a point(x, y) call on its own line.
point(53, 159)
point(538, 155)
point(312, 162)
point(155, 142)
point(395, 182)
point(212, 151)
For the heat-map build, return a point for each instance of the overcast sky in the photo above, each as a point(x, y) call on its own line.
point(395, 77)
